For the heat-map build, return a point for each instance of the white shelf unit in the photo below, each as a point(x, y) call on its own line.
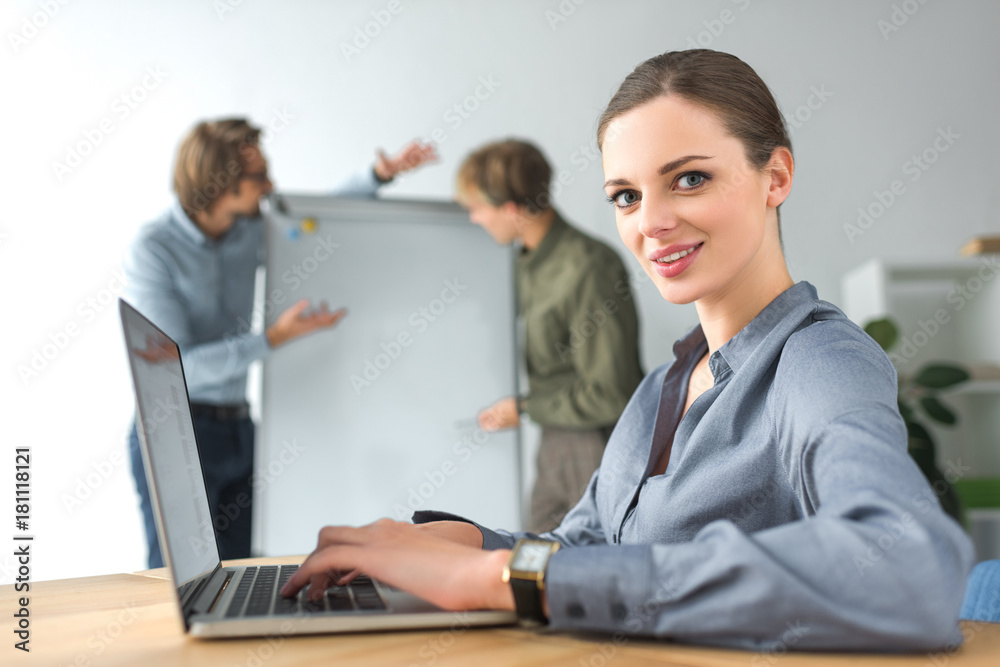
point(946, 311)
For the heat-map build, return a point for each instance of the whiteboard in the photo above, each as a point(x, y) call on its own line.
point(376, 418)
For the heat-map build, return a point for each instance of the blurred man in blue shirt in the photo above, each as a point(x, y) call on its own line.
point(191, 271)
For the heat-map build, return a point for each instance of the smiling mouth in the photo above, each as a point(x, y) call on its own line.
point(670, 259)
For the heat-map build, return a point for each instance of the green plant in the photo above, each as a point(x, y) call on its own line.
point(919, 398)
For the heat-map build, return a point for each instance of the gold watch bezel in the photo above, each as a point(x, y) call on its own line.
point(528, 575)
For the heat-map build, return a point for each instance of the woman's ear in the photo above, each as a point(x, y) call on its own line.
point(781, 169)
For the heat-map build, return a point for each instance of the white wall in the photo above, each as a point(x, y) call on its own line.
point(885, 97)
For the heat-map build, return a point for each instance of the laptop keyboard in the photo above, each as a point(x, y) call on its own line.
point(257, 594)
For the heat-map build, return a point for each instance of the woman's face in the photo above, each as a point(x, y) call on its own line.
point(688, 204)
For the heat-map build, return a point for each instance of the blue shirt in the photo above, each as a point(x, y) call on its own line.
point(199, 290)
point(790, 514)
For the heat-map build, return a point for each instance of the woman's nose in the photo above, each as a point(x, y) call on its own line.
point(656, 217)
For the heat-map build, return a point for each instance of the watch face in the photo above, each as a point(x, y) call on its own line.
point(531, 557)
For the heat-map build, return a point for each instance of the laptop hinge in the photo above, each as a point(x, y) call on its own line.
point(203, 598)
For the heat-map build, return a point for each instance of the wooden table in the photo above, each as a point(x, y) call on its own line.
point(131, 619)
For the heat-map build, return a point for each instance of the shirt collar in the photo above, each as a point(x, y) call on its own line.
point(738, 349)
point(741, 347)
point(187, 226)
point(692, 344)
point(534, 258)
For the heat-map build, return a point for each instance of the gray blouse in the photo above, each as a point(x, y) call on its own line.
point(790, 514)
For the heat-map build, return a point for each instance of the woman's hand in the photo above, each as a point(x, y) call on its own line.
point(451, 575)
point(453, 531)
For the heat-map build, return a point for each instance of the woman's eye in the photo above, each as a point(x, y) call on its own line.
point(624, 199)
point(689, 181)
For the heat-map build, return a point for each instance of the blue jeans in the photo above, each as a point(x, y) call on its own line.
point(226, 451)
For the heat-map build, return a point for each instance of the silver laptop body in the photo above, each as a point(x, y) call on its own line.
point(216, 601)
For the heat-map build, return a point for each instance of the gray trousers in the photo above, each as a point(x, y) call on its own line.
point(567, 459)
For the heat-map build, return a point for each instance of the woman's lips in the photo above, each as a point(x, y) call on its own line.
point(670, 268)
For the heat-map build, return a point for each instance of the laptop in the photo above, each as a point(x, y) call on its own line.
point(216, 601)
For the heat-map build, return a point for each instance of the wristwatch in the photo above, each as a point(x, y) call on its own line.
point(525, 572)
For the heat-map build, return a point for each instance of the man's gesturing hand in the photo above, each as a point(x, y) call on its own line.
point(294, 322)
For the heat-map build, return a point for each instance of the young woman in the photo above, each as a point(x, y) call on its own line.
point(756, 489)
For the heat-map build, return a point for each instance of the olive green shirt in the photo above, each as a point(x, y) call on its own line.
point(581, 330)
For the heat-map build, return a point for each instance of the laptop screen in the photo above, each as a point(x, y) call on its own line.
point(164, 421)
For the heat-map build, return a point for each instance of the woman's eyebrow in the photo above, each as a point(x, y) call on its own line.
point(679, 162)
point(617, 181)
point(665, 169)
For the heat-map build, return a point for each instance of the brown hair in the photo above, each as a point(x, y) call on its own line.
point(508, 171)
point(211, 159)
point(718, 81)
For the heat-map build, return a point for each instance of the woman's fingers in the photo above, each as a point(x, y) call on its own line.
point(318, 583)
point(384, 549)
point(319, 570)
point(347, 577)
point(379, 531)
point(338, 555)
